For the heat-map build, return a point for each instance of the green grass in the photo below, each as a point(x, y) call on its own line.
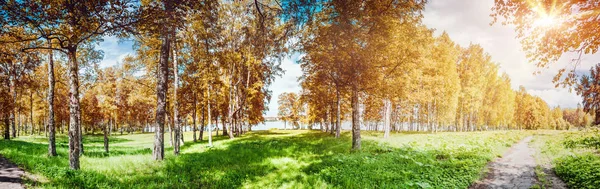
point(542, 177)
point(572, 155)
point(270, 159)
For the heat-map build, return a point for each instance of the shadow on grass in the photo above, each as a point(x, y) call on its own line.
point(87, 139)
point(322, 160)
point(98, 152)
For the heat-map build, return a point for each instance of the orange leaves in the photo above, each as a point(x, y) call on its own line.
point(549, 28)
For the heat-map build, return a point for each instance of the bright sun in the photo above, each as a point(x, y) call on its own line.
point(545, 21)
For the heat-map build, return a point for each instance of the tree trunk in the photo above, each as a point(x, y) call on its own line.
point(225, 132)
point(326, 120)
point(19, 124)
point(182, 131)
point(194, 128)
point(45, 124)
point(158, 153)
point(80, 130)
point(229, 132)
point(387, 119)
point(13, 91)
point(209, 121)
point(338, 124)
point(175, 103)
point(217, 124)
point(355, 121)
point(6, 127)
point(229, 117)
point(331, 121)
point(73, 109)
point(170, 124)
point(51, 126)
point(202, 124)
point(106, 138)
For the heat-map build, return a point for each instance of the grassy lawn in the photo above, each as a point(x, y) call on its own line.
point(269, 159)
point(574, 156)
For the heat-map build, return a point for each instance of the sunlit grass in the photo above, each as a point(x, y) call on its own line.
point(573, 155)
point(270, 159)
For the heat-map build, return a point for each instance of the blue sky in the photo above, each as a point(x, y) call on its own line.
point(466, 22)
point(114, 50)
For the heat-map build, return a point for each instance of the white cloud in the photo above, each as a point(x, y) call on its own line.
point(287, 83)
point(557, 97)
point(114, 51)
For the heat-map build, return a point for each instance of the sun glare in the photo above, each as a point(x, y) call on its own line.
point(545, 21)
point(545, 16)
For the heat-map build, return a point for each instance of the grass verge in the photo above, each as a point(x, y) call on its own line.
point(270, 159)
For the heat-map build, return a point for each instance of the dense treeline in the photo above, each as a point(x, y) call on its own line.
point(413, 81)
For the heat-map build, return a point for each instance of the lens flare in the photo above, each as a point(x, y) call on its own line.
point(545, 21)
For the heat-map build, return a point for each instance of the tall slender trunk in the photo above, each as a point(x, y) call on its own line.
point(338, 123)
point(6, 127)
point(224, 132)
point(80, 130)
point(31, 123)
point(106, 138)
point(51, 126)
point(216, 119)
point(13, 91)
point(158, 152)
point(176, 125)
point(73, 109)
point(19, 123)
point(110, 128)
point(194, 128)
point(229, 117)
point(230, 132)
point(331, 121)
point(355, 120)
point(388, 116)
point(182, 130)
point(202, 124)
point(209, 121)
point(170, 124)
point(6, 115)
point(326, 120)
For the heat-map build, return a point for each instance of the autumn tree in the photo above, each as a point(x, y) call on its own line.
point(576, 117)
point(289, 108)
point(15, 65)
point(589, 89)
point(70, 24)
point(356, 31)
point(168, 16)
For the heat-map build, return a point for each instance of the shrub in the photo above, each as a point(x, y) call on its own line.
point(581, 171)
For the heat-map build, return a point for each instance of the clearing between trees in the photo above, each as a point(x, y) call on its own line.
point(296, 159)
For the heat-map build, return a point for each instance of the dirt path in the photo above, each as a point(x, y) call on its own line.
point(10, 175)
point(514, 170)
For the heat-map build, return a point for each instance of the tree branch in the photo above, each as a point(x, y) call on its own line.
point(46, 48)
